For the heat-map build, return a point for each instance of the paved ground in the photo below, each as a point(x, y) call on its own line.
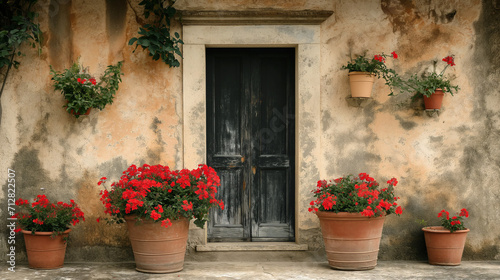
point(263, 270)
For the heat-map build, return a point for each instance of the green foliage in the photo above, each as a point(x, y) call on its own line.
point(421, 222)
point(82, 91)
point(427, 83)
point(16, 27)
point(156, 37)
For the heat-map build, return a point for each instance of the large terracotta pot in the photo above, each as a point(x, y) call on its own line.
point(444, 247)
point(45, 252)
point(158, 249)
point(435, 100)
point(361, 84)
point(351, 239)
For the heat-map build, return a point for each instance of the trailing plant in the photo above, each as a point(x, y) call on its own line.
point(375, 66)
point(83, 91)
point(17, 26)
point(427, 83)
point(356, 195)
point(156, 37)
point(155, 192)
point(454, 223)
point(44, 216)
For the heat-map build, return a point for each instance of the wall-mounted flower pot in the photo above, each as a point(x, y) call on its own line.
point(444, 247)
point(361, 84)
point(45, 252)
point(351, 239)
point(435, 101)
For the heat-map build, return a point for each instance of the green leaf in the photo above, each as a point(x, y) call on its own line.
point(132, 41)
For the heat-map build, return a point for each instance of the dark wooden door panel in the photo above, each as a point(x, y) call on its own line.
point(250, 142)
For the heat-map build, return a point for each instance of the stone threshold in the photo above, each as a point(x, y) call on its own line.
point(251, 246)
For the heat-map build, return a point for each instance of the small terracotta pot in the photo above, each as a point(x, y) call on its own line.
point(361, 84)
point(45, 252)
point(435, 100)
point(158, 249)
point(444, 247)
point(351, 239)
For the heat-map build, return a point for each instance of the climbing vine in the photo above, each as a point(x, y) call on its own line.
point(156, 37)
point(17, 26)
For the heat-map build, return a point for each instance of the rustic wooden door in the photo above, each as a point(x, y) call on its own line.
point(251, 142)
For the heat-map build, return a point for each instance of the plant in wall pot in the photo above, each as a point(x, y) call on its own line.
point(46, 227)
point(351, 211)
point(445, 243)
point(363, 70)
point(157, 204)
point(82, 91)
point(431, 86)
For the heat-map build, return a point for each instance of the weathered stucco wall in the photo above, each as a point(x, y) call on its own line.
point(447, 161)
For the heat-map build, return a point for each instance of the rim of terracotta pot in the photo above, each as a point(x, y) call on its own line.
point(346, 215)
point(133, 217)
point(441, 229)
point(361, 73)
point(44, 232)
point(438, 91)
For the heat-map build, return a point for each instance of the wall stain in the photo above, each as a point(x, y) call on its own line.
point(60, 37)
point(40, 134)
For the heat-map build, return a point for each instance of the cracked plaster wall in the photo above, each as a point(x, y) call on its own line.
point(447, 161)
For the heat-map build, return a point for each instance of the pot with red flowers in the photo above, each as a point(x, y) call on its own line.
point(351, 211)
point(157, 204)
point(445, 244)
point(431, 86)
point(82, 91)
point(363, 70)
point(46, 227)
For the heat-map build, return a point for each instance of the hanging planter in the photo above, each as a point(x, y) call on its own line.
point(434, 101)
point(351, 239)
point(45, 251)
point(158, 249)
point(363, 70)
point(361, 84)
point(82, 91)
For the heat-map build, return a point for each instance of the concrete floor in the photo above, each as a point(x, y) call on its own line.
point(264, 270)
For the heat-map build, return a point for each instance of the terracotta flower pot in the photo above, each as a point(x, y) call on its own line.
point(351, 239)
point(444, 247)
point(45, 252)
point(435, 100)
point(158, 249)
point(361, 84)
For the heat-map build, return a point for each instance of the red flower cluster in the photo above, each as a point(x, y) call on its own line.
point(158, 193)
point(41, 215)
point(379, 58)
point(356, 195)
point(454, 223)
point(82, 81)
point(449, 60)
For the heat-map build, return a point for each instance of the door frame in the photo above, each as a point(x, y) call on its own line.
point(306, 40)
